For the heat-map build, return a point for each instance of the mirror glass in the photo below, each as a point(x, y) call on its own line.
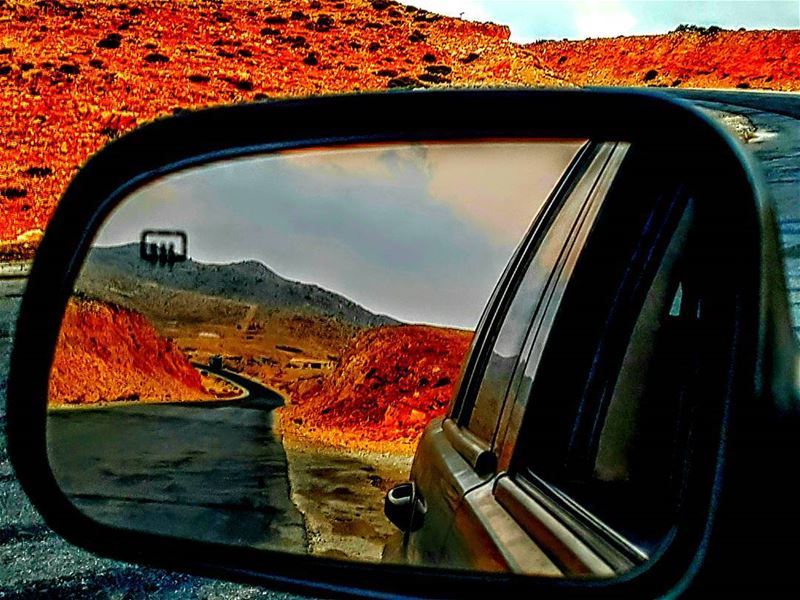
point(254, 347)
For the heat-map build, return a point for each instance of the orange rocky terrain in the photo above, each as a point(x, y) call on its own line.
point(74, 75)
point(107, 353)
point(688, 57)
point(390, 382)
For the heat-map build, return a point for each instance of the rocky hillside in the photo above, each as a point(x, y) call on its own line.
point(196, 291)
point(389, 383)
point(74, 75)
point(106, 353)
point(688, 57)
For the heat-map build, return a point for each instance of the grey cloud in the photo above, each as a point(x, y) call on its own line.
point(364, 225)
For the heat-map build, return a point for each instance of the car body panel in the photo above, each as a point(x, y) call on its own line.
point(446, 476)
point(487, 537)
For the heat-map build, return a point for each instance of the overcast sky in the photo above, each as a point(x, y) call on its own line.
point(421, 233)
point(576, 19)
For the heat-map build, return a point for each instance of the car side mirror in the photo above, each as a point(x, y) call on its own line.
point(246, 328)
point(404, 507)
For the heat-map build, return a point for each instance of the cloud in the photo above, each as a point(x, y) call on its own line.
point(358, 222)
point(371, 163)
point(498, 187)
point(420, 232)
point(531, 20)
point(603, 18)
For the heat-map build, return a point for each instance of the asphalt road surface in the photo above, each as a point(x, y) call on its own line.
point(212, 471)
point(778, 116)
point(35, 562)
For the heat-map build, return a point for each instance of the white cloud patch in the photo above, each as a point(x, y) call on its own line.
point(532, 20)
point(603, 18)
point(497, 187)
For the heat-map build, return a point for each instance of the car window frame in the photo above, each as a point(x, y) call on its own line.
point(505, 493)
point(510, 420)
point(494, 316)
point(557, 239)
point(494, 313)
point(604, 539)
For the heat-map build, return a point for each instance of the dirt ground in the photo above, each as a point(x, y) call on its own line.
point(263, 351)
point(338, 479)
point(340, 493)
point(221, 388)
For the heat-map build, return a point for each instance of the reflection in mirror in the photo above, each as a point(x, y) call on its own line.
point(253, 347)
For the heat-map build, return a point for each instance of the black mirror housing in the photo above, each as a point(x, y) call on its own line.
point(701, 149)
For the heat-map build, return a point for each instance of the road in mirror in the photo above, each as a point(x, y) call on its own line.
point(253, 347)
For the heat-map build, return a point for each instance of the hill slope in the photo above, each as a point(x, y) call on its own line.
point(196, 292)
point(74, 75)
point(390, 382)
point(106, 353)
point(689, 57)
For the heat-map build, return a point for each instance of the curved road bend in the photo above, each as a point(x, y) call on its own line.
point(211, 471)
point(258, 396)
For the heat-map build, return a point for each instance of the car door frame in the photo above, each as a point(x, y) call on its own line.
point(478, 517)
point(574, 537)
point(451, 460)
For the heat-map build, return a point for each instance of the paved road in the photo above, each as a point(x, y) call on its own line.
point(258, 396)
point(37, 563)
point(33, 560)
point(209, 471)
point(779, 156)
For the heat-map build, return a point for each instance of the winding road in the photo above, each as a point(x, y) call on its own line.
point(202, 470)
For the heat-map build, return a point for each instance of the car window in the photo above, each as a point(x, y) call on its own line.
point(641, 382)
point(482, 415)
point(606, 411)
point(634, 462)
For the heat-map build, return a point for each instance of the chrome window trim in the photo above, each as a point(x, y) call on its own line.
point(511, 418)
point(604, 540)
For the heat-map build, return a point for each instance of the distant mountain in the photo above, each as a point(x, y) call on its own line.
point(198, 291)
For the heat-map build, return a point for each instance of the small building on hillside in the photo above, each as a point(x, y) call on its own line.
point(304, 362)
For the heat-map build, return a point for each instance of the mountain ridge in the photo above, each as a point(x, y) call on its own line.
point(117, 273)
